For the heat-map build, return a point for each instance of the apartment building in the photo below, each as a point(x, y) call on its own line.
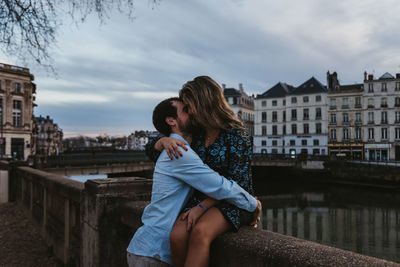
point(242, 105)
point(381, 117)
point(345, 117)
point(292, 120)
point(16, 111)
point(48, 135)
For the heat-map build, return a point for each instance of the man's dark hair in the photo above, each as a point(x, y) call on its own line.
point(161, 111)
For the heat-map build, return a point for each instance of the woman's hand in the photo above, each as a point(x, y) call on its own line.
point(192, 216)
point(171, 145)
point(256, 214)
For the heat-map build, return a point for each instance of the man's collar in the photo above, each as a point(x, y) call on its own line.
point(177, 136)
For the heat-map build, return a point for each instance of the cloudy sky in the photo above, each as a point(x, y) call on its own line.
point(111, 76)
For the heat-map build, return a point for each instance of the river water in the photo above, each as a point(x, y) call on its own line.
point(362, 220)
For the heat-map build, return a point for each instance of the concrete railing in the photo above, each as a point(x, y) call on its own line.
point(91, 224)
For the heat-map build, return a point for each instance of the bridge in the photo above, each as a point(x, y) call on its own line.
point(91, 224)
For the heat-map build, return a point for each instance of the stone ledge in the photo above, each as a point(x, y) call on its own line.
point(255, 247)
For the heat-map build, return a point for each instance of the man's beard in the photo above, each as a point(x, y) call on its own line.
point(190, 128)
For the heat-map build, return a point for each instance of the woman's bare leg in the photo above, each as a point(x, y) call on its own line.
point(179, 241)
point(208, 227)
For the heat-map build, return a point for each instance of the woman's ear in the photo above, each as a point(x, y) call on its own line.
point(170, 121)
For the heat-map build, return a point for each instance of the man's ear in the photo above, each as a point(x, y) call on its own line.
point(170, 121)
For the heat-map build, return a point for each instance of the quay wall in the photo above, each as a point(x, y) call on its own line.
point(91, 224)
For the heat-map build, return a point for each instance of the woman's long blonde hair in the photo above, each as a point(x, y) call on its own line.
point(206, 99)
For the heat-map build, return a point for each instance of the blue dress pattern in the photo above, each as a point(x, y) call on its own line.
point(230, 156)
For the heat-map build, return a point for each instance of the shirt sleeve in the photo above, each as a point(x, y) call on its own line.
point(190, 169)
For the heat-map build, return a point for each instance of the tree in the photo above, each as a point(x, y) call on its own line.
point(28, 28)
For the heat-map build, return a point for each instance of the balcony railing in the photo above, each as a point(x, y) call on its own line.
point(384, 121)
point(346, 123)
point(332, 107)
point(345, 106)
point(371, 106)
point(318, 117)
point(371, 122)
point(358, 122)
point(332, 123)
point(357, 106)
point(384, 105)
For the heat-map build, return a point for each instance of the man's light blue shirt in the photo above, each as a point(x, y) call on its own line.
point(173, 181)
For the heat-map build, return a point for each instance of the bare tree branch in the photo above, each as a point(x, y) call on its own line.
point(28, 28)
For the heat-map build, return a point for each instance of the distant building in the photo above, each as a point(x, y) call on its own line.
point(292, 120)
point(381, 117)
point(345, 117)
point(16, 111)
point(139, 139)
point(48, 137)
point(242, 105)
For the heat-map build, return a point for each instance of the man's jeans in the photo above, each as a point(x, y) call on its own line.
point(142, 261)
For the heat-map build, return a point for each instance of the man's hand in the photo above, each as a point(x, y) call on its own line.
point(256, 214)
point(192, 216)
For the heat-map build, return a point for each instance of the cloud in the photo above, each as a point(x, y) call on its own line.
point(55, 98)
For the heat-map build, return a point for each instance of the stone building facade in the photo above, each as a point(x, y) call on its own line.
point(381, 117)
point(345, 117)
point(48, 137)
point(17, 98)
point(292, 120)
point(242, 105)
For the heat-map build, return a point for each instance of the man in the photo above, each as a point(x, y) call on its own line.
point(172, 184)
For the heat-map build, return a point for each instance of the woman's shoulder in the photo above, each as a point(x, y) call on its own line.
point(237, 134)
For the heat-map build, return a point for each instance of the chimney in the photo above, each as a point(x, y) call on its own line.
point(365, 75)
point(370, 77)
point(223, 86)
point(241, 87)
point(397, 75)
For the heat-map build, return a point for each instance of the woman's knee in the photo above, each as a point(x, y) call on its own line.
point(200, 234)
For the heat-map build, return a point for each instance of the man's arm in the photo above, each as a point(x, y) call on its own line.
point(191, 170)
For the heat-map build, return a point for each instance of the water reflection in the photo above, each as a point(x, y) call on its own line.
point(368, 229)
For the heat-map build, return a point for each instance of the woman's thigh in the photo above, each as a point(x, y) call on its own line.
point(179, 232)
point(211, 225)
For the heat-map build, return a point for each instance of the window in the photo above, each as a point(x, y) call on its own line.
point(397, 102)
point(264, 130)
point(274, 143)
point(345, 118)
point(371, 133)
point(318, 98)
point(384, 117)
point(397, 130)
point(370, 87)
point(345, 103)
point(294, 100)
point(397, 117)
point(358, 102)
point(292, 142)
point(274, 116)
point(333, 118)
point(384, 133)
point(358, 133)
point(274, 103)
point(274, 129)
point(284, 102)
point(294, 129)
point(370, 102)
point(370, 117)
point(305, 99)
point(305, 128)
point(384, 102)
point(384, 89)
point(17, 113)
point(318, 128)
point(358, 118)
point(263, 103)
point(263, 116)
point(316, 142)
point(1, 111)
point(284, 115)
point(17, 88)
point(294, 114)
point(333, 134)
point(305, 114)
point(264, 143)
point(333, 103)
point(0, 85)
point(304, 142)
point(284, 129)
point(235, 100)
point(318, 113)
point(397, 86)
point(345, 134)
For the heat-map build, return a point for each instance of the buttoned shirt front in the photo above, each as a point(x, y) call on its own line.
point(173, 181)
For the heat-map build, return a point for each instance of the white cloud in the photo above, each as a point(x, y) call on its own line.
point(59, 98)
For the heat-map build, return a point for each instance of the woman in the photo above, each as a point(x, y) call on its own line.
point(223, 145)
